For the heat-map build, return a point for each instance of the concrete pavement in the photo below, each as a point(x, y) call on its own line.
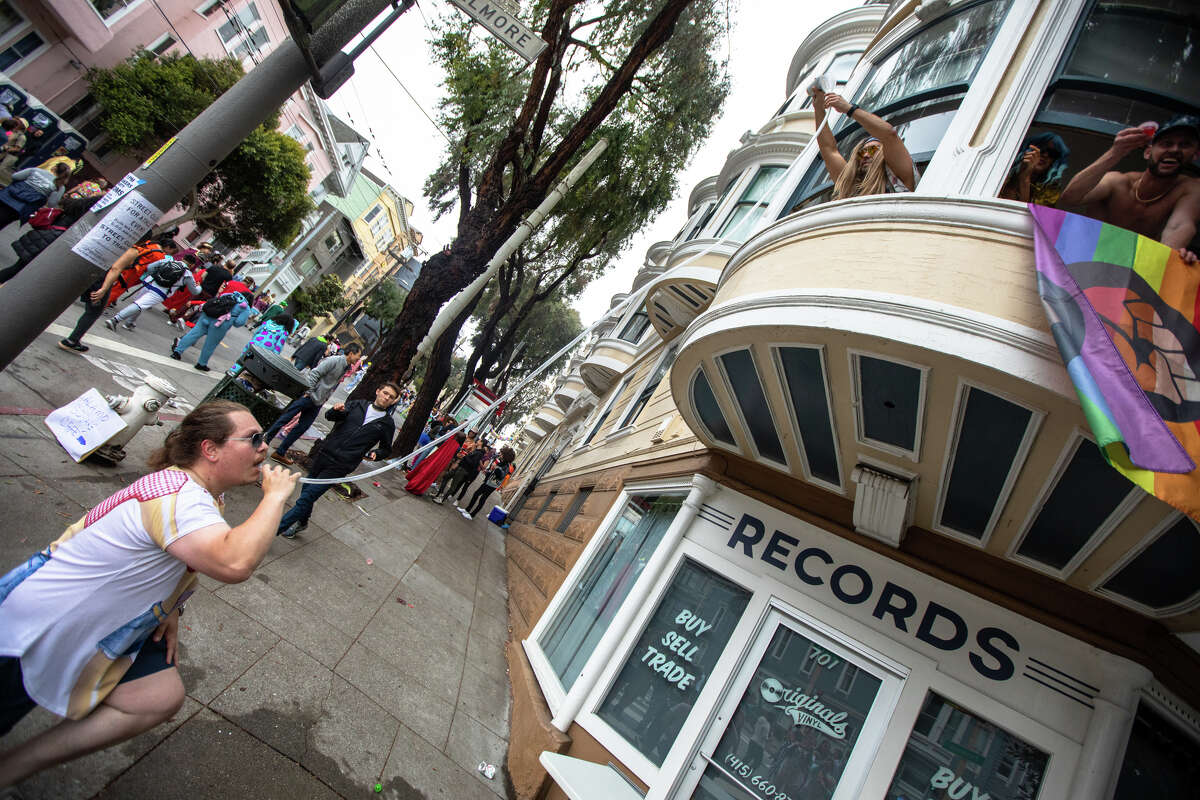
point(369, 650)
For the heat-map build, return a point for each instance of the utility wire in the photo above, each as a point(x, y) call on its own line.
point(400, 83)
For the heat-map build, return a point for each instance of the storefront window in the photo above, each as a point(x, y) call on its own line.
point(1160, 760)
point(673, 658)
point(795, 727)
point(610, 574)
point(954, 753)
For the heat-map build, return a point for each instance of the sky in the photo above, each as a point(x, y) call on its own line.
point(406, 146)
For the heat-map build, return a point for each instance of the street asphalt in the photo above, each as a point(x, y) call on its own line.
point(370, 650)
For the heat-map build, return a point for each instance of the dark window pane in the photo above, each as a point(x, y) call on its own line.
point(1087, 493)
point(708, 410)
point(1150, 44)
point(805, 378)
point(890, 400)
point(643, 398)
point(748, 392)
point(636, 327)
point(1161, 761)
point(1164, 574)
point(672, 659)
point(943, 55)
point(952, 747)
point(573, 511)
point(991, 433)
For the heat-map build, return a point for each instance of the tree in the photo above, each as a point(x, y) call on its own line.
point(260, 191)
point(324, 296)
point(384, 303)
point(618, 68)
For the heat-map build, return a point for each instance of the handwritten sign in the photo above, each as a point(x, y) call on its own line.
point(117, 232)
point(84, 424)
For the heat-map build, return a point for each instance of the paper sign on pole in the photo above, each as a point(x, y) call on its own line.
point(117, 232)
point(122, 188)
point(505, 26)
point(84, 424)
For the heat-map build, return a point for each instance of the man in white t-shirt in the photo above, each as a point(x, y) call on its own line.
point(88, 626)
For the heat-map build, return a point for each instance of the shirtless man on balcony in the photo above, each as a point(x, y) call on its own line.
point(1160, 201)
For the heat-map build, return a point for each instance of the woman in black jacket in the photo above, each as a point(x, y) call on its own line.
point(29, 245)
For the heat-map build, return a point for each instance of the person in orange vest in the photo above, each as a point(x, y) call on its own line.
point(148, 252)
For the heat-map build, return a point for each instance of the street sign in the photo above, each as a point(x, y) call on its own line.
point(505, 26)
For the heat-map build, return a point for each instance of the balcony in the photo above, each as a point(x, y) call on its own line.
point(895, 348)
point(569, 390)
point(548, 417)
point(678, 296)
point(606, 364)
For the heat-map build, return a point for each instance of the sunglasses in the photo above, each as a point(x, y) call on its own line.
point(872, 147)
point(256, 441)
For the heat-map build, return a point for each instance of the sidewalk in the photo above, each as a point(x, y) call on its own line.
point(369, 650)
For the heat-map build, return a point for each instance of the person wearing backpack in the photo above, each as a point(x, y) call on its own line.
point(29, 245)
point(30, 190)
point(493, 479)
point(217, 316)
point(146, 253)
point(162, 277)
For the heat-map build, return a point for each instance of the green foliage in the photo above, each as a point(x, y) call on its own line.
point(323, 297)
point(385, 303)
point(260, 191)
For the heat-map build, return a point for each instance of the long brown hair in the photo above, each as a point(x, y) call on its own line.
point(874, 182)
point(208, 421)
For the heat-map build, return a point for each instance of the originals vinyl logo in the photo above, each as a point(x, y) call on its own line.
point(804, 709)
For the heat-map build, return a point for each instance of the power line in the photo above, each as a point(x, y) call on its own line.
point(410, 96)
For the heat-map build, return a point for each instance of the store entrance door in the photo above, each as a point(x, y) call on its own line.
point(805, 715)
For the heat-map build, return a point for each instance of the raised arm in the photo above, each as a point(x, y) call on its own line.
point(1088, 186)
point(1181, 225)
point(231, 555)
point(826, 144)
point(114, 272)
point(895, 154)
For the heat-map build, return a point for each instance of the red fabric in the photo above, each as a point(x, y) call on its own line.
point(235, 286)
point(421, 478)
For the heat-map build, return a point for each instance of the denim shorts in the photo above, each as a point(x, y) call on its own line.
point(15, 702)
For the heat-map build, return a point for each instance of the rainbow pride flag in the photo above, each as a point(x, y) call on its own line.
point(1125, 313)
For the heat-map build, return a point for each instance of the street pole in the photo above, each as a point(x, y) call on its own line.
point(33, 299)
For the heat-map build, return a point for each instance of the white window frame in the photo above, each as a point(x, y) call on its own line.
point(207, 9)
point(153, 46)
point(723, 200)
point(547, 678)
point(20, 32)
point(777, 363)
point(1165, 524)
point(764, 204)
point(708, 368)
point(751, 447)
point(244, 32)
point(854, 356)
point(118, 16)
point(1037, 416)
point(1123, 509)
point(628, 424)
point(598, 418)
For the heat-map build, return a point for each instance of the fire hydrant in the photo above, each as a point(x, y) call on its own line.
point(136, 412)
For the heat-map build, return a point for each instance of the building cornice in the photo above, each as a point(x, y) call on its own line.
point(760, 148)
point(698, 247)
point(860, 22)
point(703, 191)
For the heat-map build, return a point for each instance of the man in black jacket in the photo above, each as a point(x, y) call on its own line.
point(359, 427)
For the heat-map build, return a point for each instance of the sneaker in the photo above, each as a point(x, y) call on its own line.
point(291, 531)
point(76, 347)
point(201, 367)
point(111, 324)
point(128, 325)
point(439, 500)
point(466, 515)
point(174, 353)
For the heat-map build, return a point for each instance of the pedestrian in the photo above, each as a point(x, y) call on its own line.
point(148, 251)
point(14, 145)
point(217, 317)
point(309, 354)
point(177, 303)
point(358, 426)
point(459, 476)
point(357, 376)
point(160, 279)
point(89, 626)
point(30, 244)
point(31, 189)
point(322, 380)
point(103, 291)
point(90, 188)
point(492, 480)
point(424, 474)
point(270, 335)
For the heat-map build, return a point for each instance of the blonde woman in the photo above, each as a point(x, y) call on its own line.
point(879, 164)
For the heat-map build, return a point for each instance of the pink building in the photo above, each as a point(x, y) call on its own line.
point(47, 46)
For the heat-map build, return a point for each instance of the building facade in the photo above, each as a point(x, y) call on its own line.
point(817, 514)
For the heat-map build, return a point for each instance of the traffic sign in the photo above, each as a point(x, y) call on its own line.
point(505, 26)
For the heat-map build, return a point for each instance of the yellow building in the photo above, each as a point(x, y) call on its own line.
point(818, 514)
point(380, 219)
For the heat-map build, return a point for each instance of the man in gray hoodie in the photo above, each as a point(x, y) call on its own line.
point(322, 380)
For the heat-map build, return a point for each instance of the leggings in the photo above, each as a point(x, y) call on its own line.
point(91, 313)
point(478, 499)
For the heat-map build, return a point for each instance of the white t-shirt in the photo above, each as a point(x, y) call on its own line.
point(372, 414)
point(77, 613)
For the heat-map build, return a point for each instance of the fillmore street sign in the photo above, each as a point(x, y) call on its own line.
point(504, 25)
